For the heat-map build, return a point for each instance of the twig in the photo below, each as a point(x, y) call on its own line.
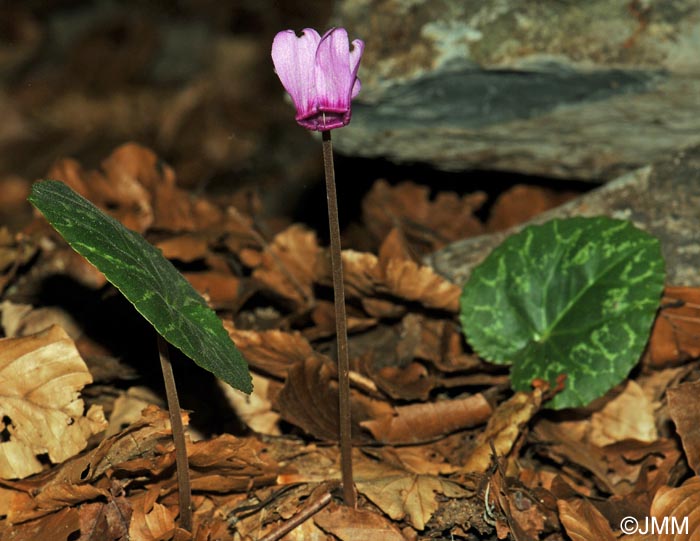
point(341, 327)
point(178, 430)
point(299, 518)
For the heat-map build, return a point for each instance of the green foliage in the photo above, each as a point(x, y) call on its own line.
point(575, 296)
point(148, 280)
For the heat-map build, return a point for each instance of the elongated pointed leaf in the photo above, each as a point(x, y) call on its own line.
point(148, 280)
point(575, 297)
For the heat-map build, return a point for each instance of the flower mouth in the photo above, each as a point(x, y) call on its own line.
point(324, 118)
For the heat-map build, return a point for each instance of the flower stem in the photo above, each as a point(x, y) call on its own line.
point(341, 327)
point(181, 464)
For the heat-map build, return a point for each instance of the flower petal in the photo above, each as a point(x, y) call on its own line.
point(358, 47)
point(334, 80)
point(293, 57)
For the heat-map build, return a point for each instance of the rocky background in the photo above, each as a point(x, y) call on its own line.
point(464, 96)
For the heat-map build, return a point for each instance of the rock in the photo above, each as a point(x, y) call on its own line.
point(585, 90)
point(662, 199)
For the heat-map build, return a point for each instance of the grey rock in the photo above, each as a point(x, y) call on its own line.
point(585, 90)
point(662, 199)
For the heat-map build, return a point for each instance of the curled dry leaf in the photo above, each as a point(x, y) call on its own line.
point(508, 210)
point(503, 429)
point(675, 336)
point(309, 400)
point(288, 265)
point(272, 352)
point(80, 479)
point(220, 289)
point(684, 408)
point(359, 272)
point(424, 421)
point(583, 522)
point(427, 225)
point(366, 275)
point(186, 248)
point(407, 280)
point(403, 494)
point(348, 524)
point(628, 415)
point(140, 191)
point(150, 520)
point(40, 379)
point(678, 506)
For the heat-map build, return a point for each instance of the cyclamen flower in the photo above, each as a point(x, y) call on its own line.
point(320, 74)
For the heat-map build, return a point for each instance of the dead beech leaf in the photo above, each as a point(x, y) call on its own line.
point(521, 202)
point(288, 264)
point(272, 352)
point(629, 415)
point(427, 225)
point(62, 525)
point(186, 248)
point(137, 448)
point(503, 429)
point(348, 524)
point(683, 403)
point(226, 463)
point(402, 494)
point(583, 522)
point(424, 421)
point(106, 520)
point(412, 282)
point(323, 316)
point(675, 336)
point(40, 378)
point(220, 289)
point(309, 400)
point(560, 446)
point(359, 272)
point(678, 504)
point(123, 193)
point(150, 520)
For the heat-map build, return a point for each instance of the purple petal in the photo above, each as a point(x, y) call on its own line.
point(293, 58)
point(334, 79)
point(358, 47)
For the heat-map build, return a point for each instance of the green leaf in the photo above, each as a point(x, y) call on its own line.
point(575, 296)
point(148, 280)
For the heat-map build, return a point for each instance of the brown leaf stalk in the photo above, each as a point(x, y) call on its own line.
point(181, 463)
point(341, 326)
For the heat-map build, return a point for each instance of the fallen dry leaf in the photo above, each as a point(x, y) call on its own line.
point(150, 520)
point(186, 248)
point(106, 520)
point(683, 403)
point(403, 494)
point(348, 524)
point(288, 265)
point(504, 428)
point(309, 400)
point(425, 421)
point(675, 336)
point(628, 415)
point(427, 225)
point(272, 352)
point(583, 522)
point(677, 505)
point(509, 210)
point(40, 378)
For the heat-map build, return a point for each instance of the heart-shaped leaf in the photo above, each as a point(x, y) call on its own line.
point(575, 297)
point(148, 280)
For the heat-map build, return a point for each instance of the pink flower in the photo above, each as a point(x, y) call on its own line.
point(320, 74)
